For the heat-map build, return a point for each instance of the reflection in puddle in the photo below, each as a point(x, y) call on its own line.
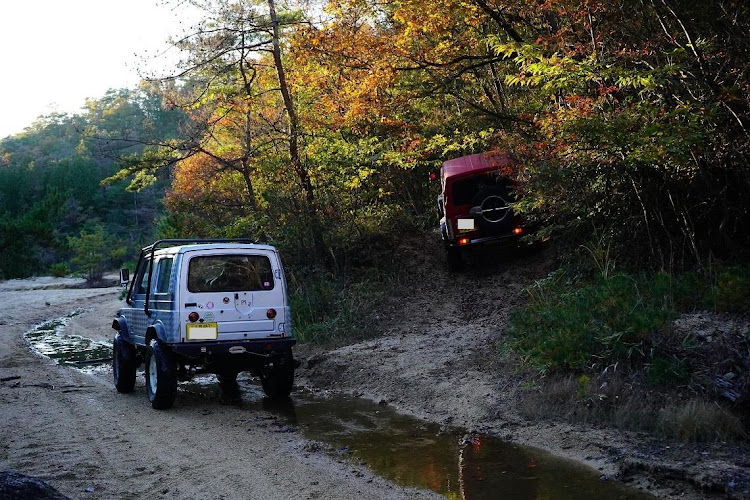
point(49, 339)
point(414, 453)
point(407, 451)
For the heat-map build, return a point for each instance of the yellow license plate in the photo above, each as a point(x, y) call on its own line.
point(202, 331)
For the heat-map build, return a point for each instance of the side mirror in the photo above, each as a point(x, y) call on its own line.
point(124, 277)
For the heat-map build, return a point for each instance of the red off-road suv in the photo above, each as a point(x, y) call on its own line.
point(474, 205)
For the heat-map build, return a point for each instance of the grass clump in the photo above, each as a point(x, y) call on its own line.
point(578, 326)
point(618, 402)
point(326, 308)
point(639, 352)
point(698, 420)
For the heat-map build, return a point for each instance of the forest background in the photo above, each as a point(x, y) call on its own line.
point(315, 127)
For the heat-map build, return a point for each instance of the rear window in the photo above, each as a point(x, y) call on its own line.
point(465, 190)
point(230, 273)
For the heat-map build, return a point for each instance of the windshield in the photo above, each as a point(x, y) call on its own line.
point(230, 273)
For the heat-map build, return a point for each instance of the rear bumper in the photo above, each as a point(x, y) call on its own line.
point(501, 239)
point(233, 348)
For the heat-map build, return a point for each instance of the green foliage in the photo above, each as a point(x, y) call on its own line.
point(597, 324)
point(668, 370)
point(59, 270)
point(94, 252)
point(325, 309)
point(50, 179)
point(585, 325)
point(732, 290)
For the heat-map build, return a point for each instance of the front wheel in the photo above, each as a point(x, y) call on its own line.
point(161, 376)
point(277, 378)
point(123, 365)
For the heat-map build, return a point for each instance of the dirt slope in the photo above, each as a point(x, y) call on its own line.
point(438, 360)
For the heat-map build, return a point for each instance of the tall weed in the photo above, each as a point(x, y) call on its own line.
point(326, 308)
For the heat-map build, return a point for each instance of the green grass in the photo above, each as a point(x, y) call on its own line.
point(582, 325)
point(329, 309)
point(619, 359)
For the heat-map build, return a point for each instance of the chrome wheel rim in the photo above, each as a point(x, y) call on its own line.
point(152, 374)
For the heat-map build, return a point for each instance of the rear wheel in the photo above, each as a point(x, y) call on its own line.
point(123, 365)
point(161, 376)
point(277, 377)
point(230, 389)
point(453, 258)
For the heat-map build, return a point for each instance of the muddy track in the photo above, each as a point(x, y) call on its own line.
point(438, 360)
point(74, 431)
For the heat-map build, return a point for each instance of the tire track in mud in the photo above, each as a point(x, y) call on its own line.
point(75, 431)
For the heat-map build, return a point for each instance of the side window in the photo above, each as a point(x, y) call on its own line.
point(142, 280)
point(163, 275)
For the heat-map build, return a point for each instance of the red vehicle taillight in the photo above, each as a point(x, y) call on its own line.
point(271, 313)
point(463, 241)
point(193, 317)
point(517, 230)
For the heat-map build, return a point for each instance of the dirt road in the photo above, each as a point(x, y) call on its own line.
point(435, 358)
point(74, 431)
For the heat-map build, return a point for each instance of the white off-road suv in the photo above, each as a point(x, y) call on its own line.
point(205, 306)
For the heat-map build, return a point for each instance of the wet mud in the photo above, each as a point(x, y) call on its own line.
point(50, 339)
point(403, 449)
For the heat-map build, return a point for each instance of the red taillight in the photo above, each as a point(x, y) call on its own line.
point(517, 230)
point(193, 317)
point(463, 241)
point(271, 313)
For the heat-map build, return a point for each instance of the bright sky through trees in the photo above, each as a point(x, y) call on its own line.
point(56, 54)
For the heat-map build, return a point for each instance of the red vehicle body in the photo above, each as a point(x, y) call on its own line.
point(474, 205)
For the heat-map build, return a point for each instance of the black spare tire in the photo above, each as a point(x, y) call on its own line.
point(491, 206)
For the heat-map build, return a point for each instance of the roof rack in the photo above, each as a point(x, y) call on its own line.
point(154, 246)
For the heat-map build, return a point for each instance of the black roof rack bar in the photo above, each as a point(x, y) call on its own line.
point(153, 247)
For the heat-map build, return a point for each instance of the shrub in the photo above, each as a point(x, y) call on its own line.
point(576, 327)
point(732, 291)
point(578, 324)
point(94, 252)
point(325, 308)
point(59, 270)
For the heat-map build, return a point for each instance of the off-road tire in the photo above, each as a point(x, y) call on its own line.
point(453, 258)
point(277, 378)
point(123, 366)
point(161, 376)
point(230, 390)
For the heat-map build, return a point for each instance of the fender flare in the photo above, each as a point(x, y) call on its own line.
point(121, 325)
point(156, 331)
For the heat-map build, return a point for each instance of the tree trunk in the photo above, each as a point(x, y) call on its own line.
point(294, 155)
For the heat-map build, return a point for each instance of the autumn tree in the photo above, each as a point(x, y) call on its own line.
point(627, 118)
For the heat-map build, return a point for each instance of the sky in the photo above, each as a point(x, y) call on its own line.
point(54, 54)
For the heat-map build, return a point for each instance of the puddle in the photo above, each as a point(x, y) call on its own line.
point(49, 339)
point(414, 453)
point(400, 448)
